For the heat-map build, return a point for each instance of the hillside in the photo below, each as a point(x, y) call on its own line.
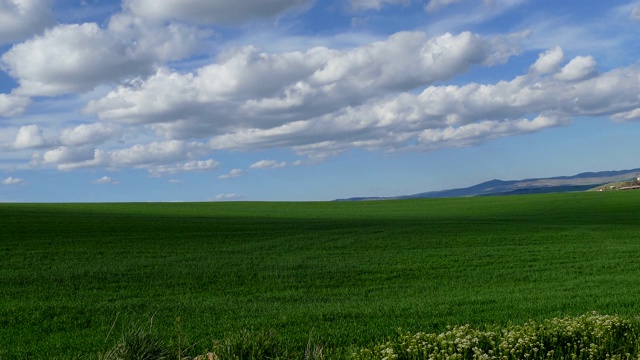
point(580, 182)
point(619, 185)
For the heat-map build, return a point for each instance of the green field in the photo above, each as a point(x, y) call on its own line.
point(345, 274)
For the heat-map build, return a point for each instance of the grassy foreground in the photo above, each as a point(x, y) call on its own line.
point(341, 275)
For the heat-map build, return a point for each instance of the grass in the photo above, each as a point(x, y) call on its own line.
point(345, 274)
point(138, 343)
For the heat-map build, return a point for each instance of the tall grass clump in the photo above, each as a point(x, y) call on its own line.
point(138, 343)
point(590, 336)
point(249, 345)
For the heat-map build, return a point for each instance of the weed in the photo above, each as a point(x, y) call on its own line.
point(248, 345)
point(138, 343)
point(313, 352)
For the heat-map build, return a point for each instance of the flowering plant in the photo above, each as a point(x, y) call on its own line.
point(590, 336)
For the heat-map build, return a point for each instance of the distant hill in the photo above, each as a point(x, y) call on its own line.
point(580, 182)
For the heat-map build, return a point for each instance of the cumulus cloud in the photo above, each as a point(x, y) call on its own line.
point(84, 134)
point(158, 42)
point(72, 146)
point(441, 116)
point(227, 197)
point(435, 5)
point(216, 107)
point(391, 122)
point(152, 153)
point(483, 131)
point(12, 181)
point(212, 11)
point(232, 174)
point(64, 154)
point(77, 57)
point(249, 88)
point(69, 58)
point(105, 180)
point(627, 115)
point(454, 115)
point(635, 13)
point(19, 19)
point(29, 137)
point(155, 157)
point(11, 105)
point(268, 164)
point(190, 166)
point(374, 4)
point(549, 61)
point(579, 68)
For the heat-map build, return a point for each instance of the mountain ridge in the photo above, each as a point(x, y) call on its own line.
point(579, 182)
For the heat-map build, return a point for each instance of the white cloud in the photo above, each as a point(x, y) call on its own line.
point(11, 105)
point(73, 146)
point(435, 5)
point(78, 57)
point(175, 97)
point(627, 115)
point(453, 115)
point(248, 88)
point(323, 101)
point(84, 134)
point(232, 174)
point(12, 181)
point(156, 157)
point(268, 164)
point(152, 153)
point(227, 197)
point(19, 19)
point(105, 180)
point(70, 58)
point(374, 4)
point(168, 42)
point(635, 13)
point(65, 154)
point(29, 137)
point(579, 68)
point(483, 131)
point(549, 61)
point(212, 11)
point(190, 166)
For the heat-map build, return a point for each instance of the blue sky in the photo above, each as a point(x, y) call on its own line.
point(296, 100)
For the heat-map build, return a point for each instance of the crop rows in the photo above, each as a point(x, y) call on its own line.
point(344, 274)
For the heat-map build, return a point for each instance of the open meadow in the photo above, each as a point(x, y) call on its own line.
point(343, 275)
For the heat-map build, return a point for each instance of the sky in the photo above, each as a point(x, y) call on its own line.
point(310, 100)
